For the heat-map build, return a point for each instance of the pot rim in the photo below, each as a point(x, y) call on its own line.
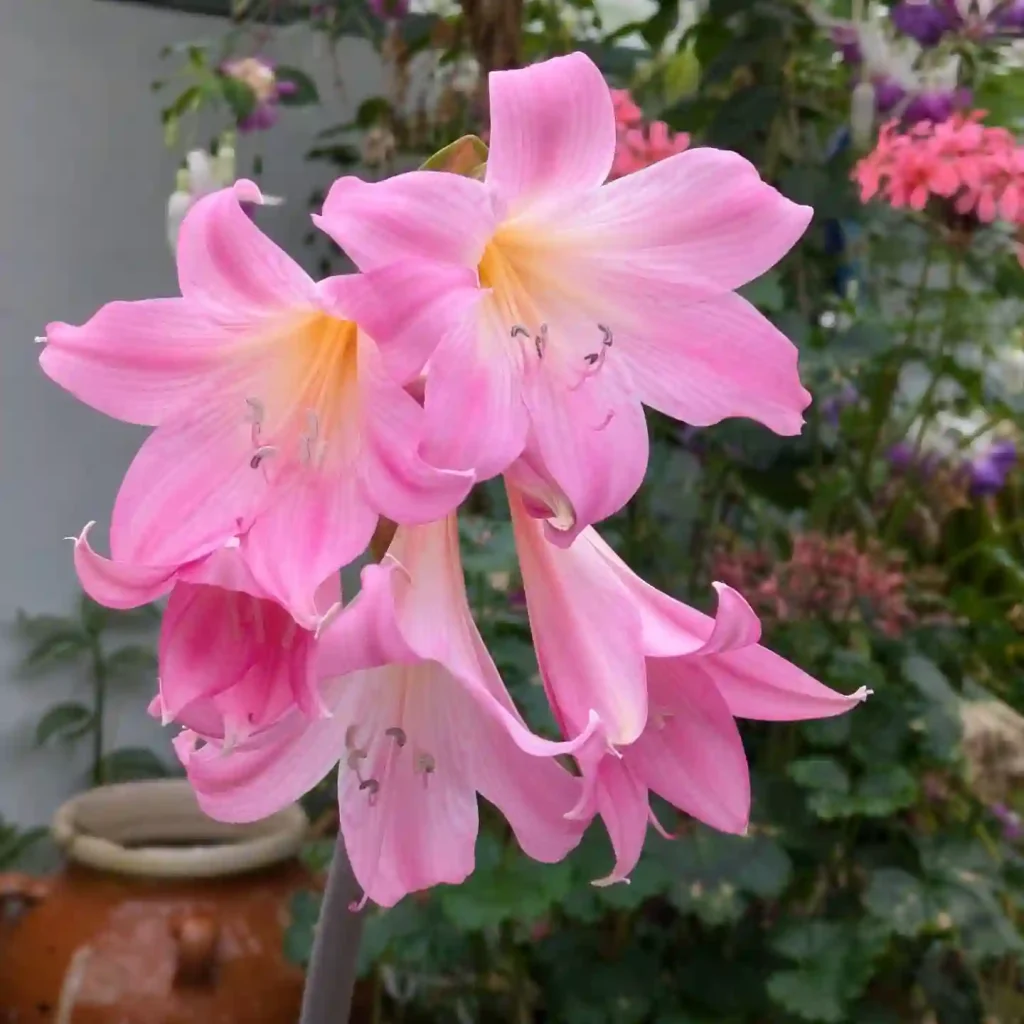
point(142, 828)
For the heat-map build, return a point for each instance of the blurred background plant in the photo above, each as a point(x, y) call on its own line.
point(91, 645)
point(883, 876)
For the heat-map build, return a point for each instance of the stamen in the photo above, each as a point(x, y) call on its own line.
point(518, 331)
point(374, 788)
point(354, 758)
point(350, 737)
point(596, 359)
point(308, 440)
point(606, 335)
point(256, 416)
point(425, 763)
point(265, 451)
point(541, 341)
point(397, 734)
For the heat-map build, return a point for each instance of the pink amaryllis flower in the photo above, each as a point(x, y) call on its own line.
point(232, 661)
point(595, 297)
point(420, 723)
point(665, 680)
point(279, 404)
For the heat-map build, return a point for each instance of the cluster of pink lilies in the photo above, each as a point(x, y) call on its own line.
point(514, 325)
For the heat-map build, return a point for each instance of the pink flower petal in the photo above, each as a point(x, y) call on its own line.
point(703, 363)
point(476, 417)
point(407, 308)
point(396, 480)
point(691, 752)
point(589, 438)
point(408, 807)
point(226, 264)
point(137, 361)
point(119, 584)
point(552, 130)
point(703, 218)
point(624, 808)
point(585, 630)
point(421, 214)
point(320, 522)
point(190, 488)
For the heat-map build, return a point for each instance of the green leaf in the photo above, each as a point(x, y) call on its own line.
point(52, 641)
point(298, 937)
point(899, 901)
point(886, 789)
point(466, 156)
point(304, 92)
point(765, 292)
point(373, 111)
point(811, 994)
point(820, 773)
point(132, 665)
point(65, 722)
point(131, 763)
point(238, 96)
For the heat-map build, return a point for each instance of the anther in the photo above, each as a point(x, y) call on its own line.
point(263, 452)
point(518, 331)
point(353, 759)
point(425, 763)
point(541, 341)
point(372, 785)
point(397, 734)
point(606, 335)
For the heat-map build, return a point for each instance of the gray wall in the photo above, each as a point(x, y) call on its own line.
point(84, 180)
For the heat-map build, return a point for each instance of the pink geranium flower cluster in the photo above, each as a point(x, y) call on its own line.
point(513, 325)
point(973, 170)
point(638, 143)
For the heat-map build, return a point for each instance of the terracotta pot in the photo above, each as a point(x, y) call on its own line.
point(162, 916)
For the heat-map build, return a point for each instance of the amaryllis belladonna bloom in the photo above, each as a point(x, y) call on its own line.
point(594, 298)
point(279, 404)
point(420, 722)
point(232, 660)
point(665, 680)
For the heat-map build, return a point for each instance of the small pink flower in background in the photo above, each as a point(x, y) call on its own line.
point(420, 721)
point(665, 681)
point(595, 298)
point(258, 74)
point(640, 144)
point(281, 416)
point(973, 170)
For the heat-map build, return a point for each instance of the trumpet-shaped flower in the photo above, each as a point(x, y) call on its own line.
point(280, 412)
point(594, 297)
point(420, 722)
point(232, 661)
point(665, 680)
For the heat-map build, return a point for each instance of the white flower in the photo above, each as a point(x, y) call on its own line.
point(201, 175)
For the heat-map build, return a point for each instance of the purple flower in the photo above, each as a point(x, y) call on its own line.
point(1013, 827)
point(989, 471)
point(833, 406)
point(259, 76)
point(389, 9)
point(924, 22)
point(935, 105)
point(847, 40)
point(1010, 16)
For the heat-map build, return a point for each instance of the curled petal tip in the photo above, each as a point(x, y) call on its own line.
point(83, 537)
point(41, 339)
point(612, 879)
point(862, 694)
point(359, 904)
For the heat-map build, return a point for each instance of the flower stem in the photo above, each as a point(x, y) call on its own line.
point(331, 978)
point(99, 707)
